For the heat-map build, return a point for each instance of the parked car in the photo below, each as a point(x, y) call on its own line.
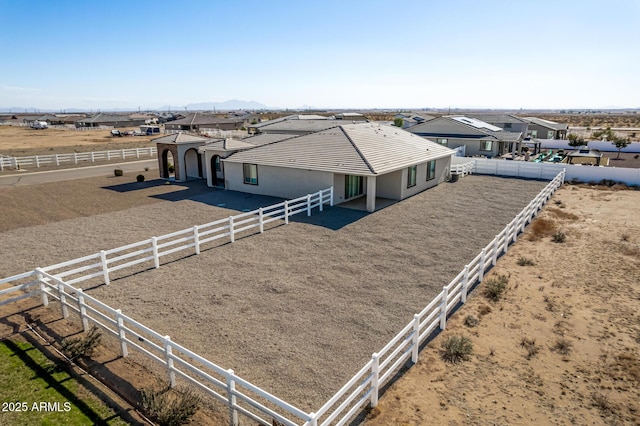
point(116, 133)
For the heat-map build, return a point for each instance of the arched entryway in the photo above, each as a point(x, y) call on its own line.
point(217, 171)
point(168, 164)
point(193, 164)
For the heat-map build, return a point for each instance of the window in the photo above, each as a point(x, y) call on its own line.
point(533, 133)
point(443, 141)
point(431, 170)
point(507, 125)
point(412, 172)
point(250, 173)
point(550, 134)
point(353, 186)
point(217, 163)
point(486, 145)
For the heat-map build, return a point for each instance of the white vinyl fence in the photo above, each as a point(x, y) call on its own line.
point(531, 170)
point(242, 397)
point(75, 157)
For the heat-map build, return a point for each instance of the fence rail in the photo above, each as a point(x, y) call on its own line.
point(75, 158)
point(241, 396)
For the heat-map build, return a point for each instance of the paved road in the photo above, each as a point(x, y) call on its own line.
point(35, 178)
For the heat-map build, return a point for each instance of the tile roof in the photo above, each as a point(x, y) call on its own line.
point(367, 149)
point(180, 138)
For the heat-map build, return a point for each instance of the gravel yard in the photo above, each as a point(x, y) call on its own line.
point(296, 310)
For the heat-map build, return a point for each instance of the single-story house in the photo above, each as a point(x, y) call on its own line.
point(507, 122)
point(180, 152)
point(477, 137)
point(412, 119)
point(295, 126)
point(196, 121)
point(112, 120)
point(358, 160)
point(546, 129)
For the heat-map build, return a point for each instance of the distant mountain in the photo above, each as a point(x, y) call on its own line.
point(232, 104)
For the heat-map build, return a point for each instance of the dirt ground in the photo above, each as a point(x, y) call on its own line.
point(579, 303)
point(282, 307)
point(17, 141)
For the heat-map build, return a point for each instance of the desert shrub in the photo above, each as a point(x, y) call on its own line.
point(140, 178)
point(484, 310)
point(82, 346)
point(171, 168)
point(118, 172)
point(541, 227)
point(471, 321)
point(170, 408)
point(456, 349)
point(146, 169)
point(636, 156)
point(494, 287)
point(530, 346)
point(561, 214)
point(559, 237)
point(562, 346)
point(524, 261)
point(624, 237)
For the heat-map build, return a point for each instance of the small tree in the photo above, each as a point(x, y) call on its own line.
point(398, 122)
point(575, 141)
point(620, 143)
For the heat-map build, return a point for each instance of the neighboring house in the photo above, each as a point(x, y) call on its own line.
point(545, 129)
point(195, 121)
point(180, 150)
point(412, 119)
point(507, 122)
point(112, 120)
point(351, 116)
point(358, 160)
point(294, 126)
point(478, 138)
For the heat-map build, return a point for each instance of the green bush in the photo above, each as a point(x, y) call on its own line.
point(494, 287)
point(456, 349)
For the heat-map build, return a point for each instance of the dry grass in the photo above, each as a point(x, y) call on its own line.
point(561, 214)
point(541, 228)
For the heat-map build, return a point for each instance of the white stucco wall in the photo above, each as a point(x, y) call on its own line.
point(390, 185)
point(442, 165)
point(277, 181)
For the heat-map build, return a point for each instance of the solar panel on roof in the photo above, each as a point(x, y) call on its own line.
point(477, 123)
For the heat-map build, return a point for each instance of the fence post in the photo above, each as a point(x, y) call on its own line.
point(105, 267)
point(43, 287)
point(1, 163)
point(122, 153)
point(63, 299)
point(57, 160)
point(313, 419)
point(196, 239)
point(443, 308)
point(232, 237)
point(82, 307)
point(515, 227)
point(156, 258)
point(93, 160)
point(286, 212)
point(169, 357)
point(506, 238)
point(494, 250)
point(75, 158)
point(121, 335)
point(231, 391)
point(465, 284)
point(37, 162)
point(416, 338)
point(375, 372)
point(137, 152)
point(331, 197)
point(321, 197)
point(483, 260)
point(261, 219)
point(108, 155)
point(308, 204)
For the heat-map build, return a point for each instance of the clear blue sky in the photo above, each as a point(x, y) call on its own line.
point(340, 54)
